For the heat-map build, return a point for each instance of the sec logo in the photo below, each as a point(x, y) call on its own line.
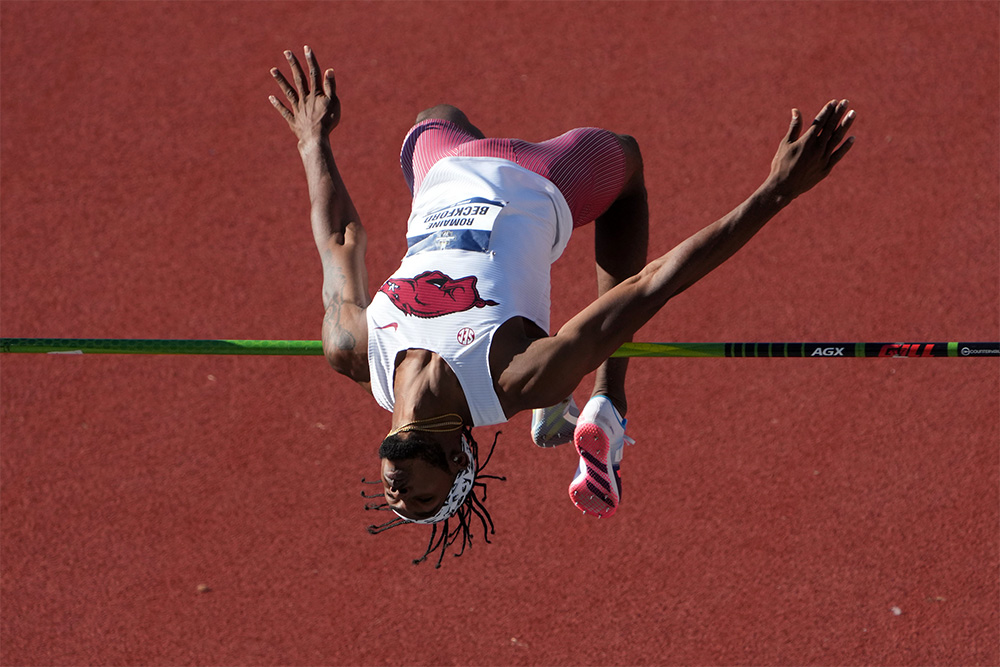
point(466, 335)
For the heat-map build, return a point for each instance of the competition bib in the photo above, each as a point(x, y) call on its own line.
point(465, 225)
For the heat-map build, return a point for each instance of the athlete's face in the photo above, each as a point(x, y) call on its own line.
point(414, 488)
point(416, 478)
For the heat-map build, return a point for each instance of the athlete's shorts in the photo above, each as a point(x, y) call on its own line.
point(586, 164)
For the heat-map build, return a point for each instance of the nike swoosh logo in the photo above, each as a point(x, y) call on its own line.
point(391, 325)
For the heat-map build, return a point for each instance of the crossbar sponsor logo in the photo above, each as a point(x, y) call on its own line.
point(907, 350)
point(976, 351)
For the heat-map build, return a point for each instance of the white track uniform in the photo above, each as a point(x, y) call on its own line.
point(481, 238)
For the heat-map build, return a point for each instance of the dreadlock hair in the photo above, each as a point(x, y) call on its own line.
point(448, 533)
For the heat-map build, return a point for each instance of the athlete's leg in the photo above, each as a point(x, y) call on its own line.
point(438, 132)
point(599, 174)
point(451, 114)
point(621, 239)
point(620, 243)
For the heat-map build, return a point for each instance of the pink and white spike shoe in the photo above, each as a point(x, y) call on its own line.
point(600, 440)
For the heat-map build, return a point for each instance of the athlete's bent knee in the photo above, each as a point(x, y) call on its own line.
point(442, 111)
point(451, 114)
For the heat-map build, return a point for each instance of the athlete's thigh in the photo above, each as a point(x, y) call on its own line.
point(427, 142)
point(590, 166)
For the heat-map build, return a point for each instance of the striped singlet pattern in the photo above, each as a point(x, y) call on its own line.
point(586, 164)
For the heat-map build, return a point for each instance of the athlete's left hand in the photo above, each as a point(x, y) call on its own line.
point(315, 107)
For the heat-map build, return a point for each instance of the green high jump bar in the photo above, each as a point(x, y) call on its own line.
point(977, 350)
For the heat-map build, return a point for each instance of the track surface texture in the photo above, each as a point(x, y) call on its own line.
point(776, 512)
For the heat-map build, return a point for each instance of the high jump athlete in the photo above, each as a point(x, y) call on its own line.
point(458, 336)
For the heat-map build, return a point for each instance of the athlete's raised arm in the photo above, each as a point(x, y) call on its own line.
point(550, 368)
point(313, 111)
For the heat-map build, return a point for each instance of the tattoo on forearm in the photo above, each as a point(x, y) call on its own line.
point(333, 330)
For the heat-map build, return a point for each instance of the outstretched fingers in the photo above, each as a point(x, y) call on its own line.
point(311, 103)
point(327, 83)
point(282, 109)
point(828, 119)
point(829, 129)
point(286, 87)
point(838, 155)
point(330, 84)
point(837, 110)
point(841, 131)
point(303, 87)
point(795, 128)
point(818, 127)
point(314, 81)
point(807, 155)
point(297, 74)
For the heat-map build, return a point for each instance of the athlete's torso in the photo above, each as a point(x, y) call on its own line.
point(481, 237)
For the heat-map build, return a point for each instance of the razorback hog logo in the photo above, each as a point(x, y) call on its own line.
point(433, 294)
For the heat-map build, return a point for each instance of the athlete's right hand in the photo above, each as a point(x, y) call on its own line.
point(806, 158)
point(315, 108)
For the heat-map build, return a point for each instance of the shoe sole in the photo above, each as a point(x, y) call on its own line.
point(545, 435)
point(597, 489)
point(551, 430)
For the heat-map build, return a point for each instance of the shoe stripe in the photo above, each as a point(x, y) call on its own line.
point(593, 460)
point(600, 494)
point(596, 476)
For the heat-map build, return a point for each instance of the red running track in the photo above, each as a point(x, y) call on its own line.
point(779, 512)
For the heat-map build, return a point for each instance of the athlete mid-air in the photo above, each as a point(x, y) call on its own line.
point(458, 336)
